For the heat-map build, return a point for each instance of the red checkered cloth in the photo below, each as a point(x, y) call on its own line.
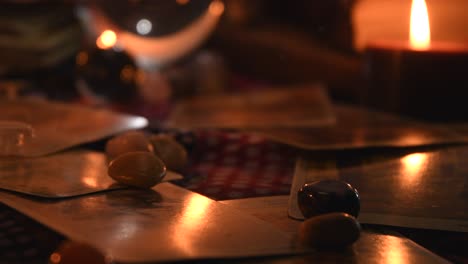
point(232, 165)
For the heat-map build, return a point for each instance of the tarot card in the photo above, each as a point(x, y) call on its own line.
point(374, 246)
point(420, 190)
point(166, 223)
point(362, 128)
point(58, 126)
point(287, 107)
point(61, 175)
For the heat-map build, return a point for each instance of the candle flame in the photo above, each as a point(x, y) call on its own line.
point(420, 32)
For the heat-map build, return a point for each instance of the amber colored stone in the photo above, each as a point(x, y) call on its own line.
point(330, 230)
point(171, 152)
point(71, 252)
point(139, 169)
point(127, 142)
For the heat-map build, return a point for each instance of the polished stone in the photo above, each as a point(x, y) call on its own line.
point(328, 196)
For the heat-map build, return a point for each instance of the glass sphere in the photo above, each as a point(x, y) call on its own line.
point(154, 33)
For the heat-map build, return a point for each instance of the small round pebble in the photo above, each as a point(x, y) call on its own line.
point(333, 230)
point(139, 169)
point(71, 252)
point(127, 142)
point(328, 196)
point(171, 152)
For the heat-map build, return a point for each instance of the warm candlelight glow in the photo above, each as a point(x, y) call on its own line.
point(216, 8)
point(106, 40)
point(413, 165)
point(414, 162)
point(420, 32)
point(191, 223)
point(396, 251)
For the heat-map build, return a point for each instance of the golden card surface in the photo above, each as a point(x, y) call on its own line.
point(61, 175)
point(361, 128)
point(288, 107)
point(420, 190)
point(58, 126)
point(166, 223)
point(374, 246)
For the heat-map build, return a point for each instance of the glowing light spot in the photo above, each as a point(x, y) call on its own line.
point(139, 122)
point(414, 161)
point(420, 32)
point(144, 26)
point(90, 181)
point(216, 8)
point(182, 2)
point(413, 164)
point(192, 220)
point(55, 258)
point(106, 40)
point(396, 251)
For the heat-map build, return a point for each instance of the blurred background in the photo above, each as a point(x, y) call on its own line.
point(136, 55)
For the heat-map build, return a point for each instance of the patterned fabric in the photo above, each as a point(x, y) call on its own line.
point(23, 240)
point(231, 165)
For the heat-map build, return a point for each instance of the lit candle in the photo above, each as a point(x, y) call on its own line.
point(420, 30)
point(419, 78)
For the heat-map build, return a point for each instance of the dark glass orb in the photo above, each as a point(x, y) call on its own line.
point(328, 196)
point(108, 73)
point(166, 17)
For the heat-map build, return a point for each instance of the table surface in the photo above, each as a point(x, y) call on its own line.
point(231, 166)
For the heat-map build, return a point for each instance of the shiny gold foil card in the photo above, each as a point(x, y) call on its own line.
point(58, 126)
point(166, 223)
point(420, 190)
point(60, 175)
point(285, 107)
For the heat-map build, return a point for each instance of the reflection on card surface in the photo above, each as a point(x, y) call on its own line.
point(57, 126)
point(61, 175)
point(372, 246)
point(420, 190)
point(167, 223)
point(287, 107)
point(361, 128)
